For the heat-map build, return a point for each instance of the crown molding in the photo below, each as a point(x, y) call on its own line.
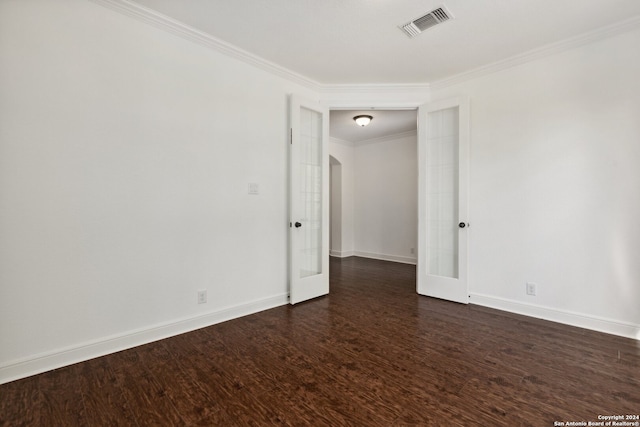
point(180, 29)
point(376, 88)
point(386, 138)
point(341, 141)
point(541, 52)
point(158, 20)
point(185, 31)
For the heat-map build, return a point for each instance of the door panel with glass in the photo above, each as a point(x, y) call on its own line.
point(309, 205)
point(442, 224)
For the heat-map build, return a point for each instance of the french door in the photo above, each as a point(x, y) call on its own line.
point(309, 200)
point(443, 228)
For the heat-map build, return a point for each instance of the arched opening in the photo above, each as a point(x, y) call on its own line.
point(335, 206)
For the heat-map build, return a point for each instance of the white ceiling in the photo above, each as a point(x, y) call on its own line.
point(384, 123)
point(351, 42)
point(358, 41)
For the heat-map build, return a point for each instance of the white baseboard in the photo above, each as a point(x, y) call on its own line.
point(340, 254)
point(385, 257)
point(614, 327)
point(67, 356)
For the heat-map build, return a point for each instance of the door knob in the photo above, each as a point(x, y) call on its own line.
point(462, 225)
point(298, 225)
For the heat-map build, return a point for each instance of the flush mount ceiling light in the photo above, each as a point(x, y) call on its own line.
point(363, 120)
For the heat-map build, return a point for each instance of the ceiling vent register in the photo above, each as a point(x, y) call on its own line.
point(431, 19)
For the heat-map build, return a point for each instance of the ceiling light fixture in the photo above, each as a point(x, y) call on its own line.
point(363, 120)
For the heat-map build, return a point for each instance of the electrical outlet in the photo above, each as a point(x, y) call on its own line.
point(202, 296)
point(531, 289)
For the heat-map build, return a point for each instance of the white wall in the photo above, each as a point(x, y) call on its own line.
point(378, 198)
point(555, 185)
point(385, 189)
point(125, 156)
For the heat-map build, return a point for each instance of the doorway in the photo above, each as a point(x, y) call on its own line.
point(366, 186)
point(442, 126)
point(374, 185)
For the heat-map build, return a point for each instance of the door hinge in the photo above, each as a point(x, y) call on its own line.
point(290, 135)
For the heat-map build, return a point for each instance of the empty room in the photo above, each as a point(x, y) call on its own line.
point(355, 213)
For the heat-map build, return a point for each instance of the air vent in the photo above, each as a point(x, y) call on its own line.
point(418, 25)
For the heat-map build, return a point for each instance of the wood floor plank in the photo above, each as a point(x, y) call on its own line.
point(501, 398)
point(148, 399)
point(19, 403)
point(60, 400)
point(192, 405)
point(372, 353)
point(103, 398)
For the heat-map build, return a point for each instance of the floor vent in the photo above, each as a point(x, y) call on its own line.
point(433, 18)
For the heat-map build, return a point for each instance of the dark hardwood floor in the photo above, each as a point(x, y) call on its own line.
point(373, 353)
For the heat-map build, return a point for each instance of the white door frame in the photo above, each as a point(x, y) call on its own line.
point(382, 104)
